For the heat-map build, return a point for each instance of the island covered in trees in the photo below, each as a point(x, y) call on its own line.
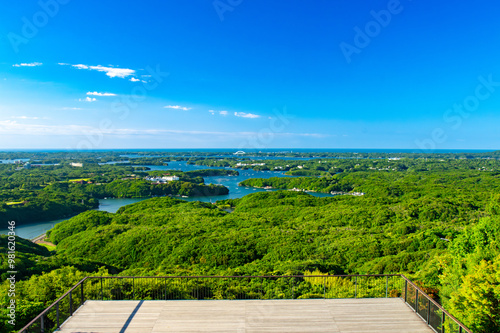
point(434, 217)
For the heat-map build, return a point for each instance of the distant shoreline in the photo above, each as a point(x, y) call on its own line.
point(268, 150)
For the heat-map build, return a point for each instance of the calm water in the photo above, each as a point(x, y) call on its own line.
point(32, 230)
point(14, 161)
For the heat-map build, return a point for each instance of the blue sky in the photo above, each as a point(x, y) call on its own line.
point(249, 74)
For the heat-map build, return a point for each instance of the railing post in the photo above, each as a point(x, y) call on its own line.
point(406, 291)
point(70, 304)
point(443, 317)
point(428, 311)
point(42, 324)
point(81, 296)
point(57, 314)
point(324, 287)
point(416, 300)
point(102, 295)
point(165, 289)
point(356, 287)
point(460, 329)
point(133, 289)
point(386, 285)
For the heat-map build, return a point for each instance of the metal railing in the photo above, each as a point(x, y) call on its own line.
point(429, 310)
point(245, 287)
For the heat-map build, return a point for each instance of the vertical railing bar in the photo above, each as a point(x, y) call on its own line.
point(428, 311)
point(416, 300)
point(406, 291)
point(70, 304)
point(442, 321)
point(262, 287)
point(324, 287)
point(102, 295)
point(356, 287)
point(57, 315)
point(386, 285)
point(81, 298)
point(42, 324)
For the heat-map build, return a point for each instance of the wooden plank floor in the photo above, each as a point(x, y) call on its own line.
point(319, 315)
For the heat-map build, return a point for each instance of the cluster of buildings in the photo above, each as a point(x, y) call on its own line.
point(382, 169)
point(163, 179)
point(356, 194)
point(239, 164)
point(26, 165)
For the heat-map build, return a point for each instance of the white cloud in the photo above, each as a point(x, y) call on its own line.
point(222, 113)
point(134, 79)
point(246, 115)
point(109, 71)
point(80, 66)
point(12, 127)
point(177, 107)
point(95, 93)
point(87, 99)
point(25, 117)
point(31, 64)
point(71, 108)
point(114, 72)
